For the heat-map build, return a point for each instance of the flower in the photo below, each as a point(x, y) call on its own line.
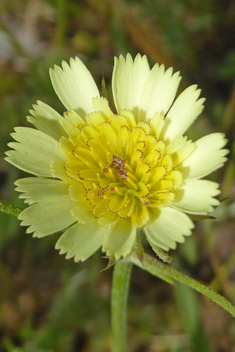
point(101, 175)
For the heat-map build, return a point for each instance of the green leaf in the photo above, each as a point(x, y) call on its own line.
point(9, 208)
point(191, 316)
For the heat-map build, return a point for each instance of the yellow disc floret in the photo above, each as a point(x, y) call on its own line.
point(118, 167)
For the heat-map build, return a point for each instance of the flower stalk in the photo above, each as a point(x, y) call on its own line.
point(120, 289)
point(153, 266)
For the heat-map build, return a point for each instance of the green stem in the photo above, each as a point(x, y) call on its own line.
point(9, 208)
point(120, 289)
point(153, 265)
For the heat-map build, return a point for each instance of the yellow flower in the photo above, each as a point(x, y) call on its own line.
point(101, 175)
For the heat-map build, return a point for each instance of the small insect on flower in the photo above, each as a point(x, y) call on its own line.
point(101, 175)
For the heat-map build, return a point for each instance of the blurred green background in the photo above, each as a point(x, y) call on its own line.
point(50, 304)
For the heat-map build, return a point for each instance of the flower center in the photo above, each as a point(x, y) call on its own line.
point(119, 167)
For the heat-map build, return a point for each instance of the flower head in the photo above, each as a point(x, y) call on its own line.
point(101, 175)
